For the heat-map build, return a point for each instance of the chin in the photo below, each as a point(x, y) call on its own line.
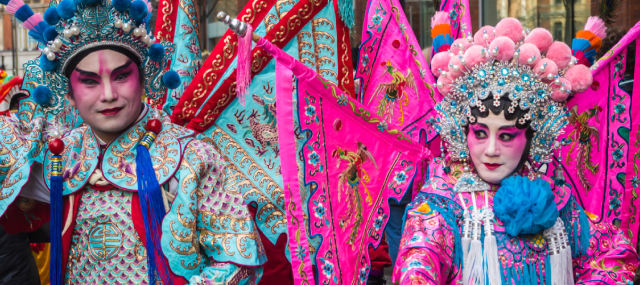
point(492, 178)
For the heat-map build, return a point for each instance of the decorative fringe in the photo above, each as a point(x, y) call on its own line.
point(490, 245)
point(441, 32)
point(152, 207)
point(55, 224)
point(243, 69)
point(472, 272)
point(346, 13)
point(559, 254)
point(450, 219)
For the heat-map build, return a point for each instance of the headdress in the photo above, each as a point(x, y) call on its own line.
point(67, 33)
point(537, 73)
point(75, 28)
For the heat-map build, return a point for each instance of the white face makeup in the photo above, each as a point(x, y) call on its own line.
point(496, 146)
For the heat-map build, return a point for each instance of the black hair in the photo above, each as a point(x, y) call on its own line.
point(504, 107)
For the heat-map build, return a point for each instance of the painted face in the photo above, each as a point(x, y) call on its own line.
point(107, 92)
point(496, 147)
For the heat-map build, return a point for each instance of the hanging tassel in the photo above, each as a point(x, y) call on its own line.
point(473, 271)
point(490, 245)
point(243, 70)
point(559, 254)
point(346, 13)
point(466, 229)
point(56, 146)
point(151, 204)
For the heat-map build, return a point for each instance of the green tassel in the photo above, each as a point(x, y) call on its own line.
point(346, 13)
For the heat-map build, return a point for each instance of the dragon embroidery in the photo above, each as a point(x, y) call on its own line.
point(351, 180)
point(394, 93)
point(582, 134)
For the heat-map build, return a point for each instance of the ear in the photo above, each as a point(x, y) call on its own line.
point(69, 98)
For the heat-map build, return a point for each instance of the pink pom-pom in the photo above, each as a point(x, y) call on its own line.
point(541, 38)
point(484, 36)
point(511, 28)
point(546, 69)
point(32, 21)
point(456, 67)
point(561, 90)
point(440, 63)
point(502, 48)
point(13, 6)
point(528, 54)
point(560, 53)
point(460, 46)
point(475, 55)
point(440, 18)
point(596, 26)
point(580, 77)
point(444, 85)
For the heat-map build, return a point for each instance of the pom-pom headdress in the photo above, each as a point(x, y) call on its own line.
point(74, 28)
point(588, 41)
point(537, 73)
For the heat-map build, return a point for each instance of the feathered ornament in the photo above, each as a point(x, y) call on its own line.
point(441, 32)
point(588, 41)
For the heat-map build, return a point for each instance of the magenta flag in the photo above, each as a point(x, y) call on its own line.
point(393, 77)
point(342, 164)
point(600, 154)
point(459, 16)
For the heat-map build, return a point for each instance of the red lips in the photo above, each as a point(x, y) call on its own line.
point(492, 166)
point(111, 111)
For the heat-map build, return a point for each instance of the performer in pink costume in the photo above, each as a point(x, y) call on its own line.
point(488, 212)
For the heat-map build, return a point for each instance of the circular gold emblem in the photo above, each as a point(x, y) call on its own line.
point(105, 240)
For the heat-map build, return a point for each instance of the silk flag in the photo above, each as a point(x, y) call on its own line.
point(246, 135)
point(394, 79)
point(459, 16)
point(177, 22)
point(600, 155)
point(351, 164)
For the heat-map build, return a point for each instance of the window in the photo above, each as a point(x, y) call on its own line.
point(557, 30)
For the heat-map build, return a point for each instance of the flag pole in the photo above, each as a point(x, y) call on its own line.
point(237, 26)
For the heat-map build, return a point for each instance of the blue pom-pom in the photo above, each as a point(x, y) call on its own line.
point(138, 11)
point(171, 79)
point(51, 16)
point(23, 13)
point(66, 9)
point(121, 5)
point(4, 2)
point(37, 35)
point(48, 65)
point(525, 206)
point(88, 2)
point(156, 52)
point(50, 33)
point(42, 95)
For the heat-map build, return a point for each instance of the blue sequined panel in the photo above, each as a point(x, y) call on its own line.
point(105, 248)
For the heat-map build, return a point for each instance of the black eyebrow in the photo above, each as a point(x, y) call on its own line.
point(89, 73)
point(507, 127)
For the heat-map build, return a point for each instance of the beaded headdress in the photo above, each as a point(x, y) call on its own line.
point(537, 73)
point(74, 28)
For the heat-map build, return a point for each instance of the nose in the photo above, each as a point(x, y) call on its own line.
point(107, 92)
point(492, 149)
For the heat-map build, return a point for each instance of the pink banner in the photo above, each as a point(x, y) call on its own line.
point(298, 241)
point(352, 164)
point(459, 16)
point(600, 146)
point(394, 79)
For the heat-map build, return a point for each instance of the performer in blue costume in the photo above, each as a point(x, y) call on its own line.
point(134, 198)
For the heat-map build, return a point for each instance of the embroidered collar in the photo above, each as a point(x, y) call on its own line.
point(118, 165)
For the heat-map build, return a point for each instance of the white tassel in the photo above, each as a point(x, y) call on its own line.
point(559, 254)
point(473, 271)
point(466, 229)
point(490, 245)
